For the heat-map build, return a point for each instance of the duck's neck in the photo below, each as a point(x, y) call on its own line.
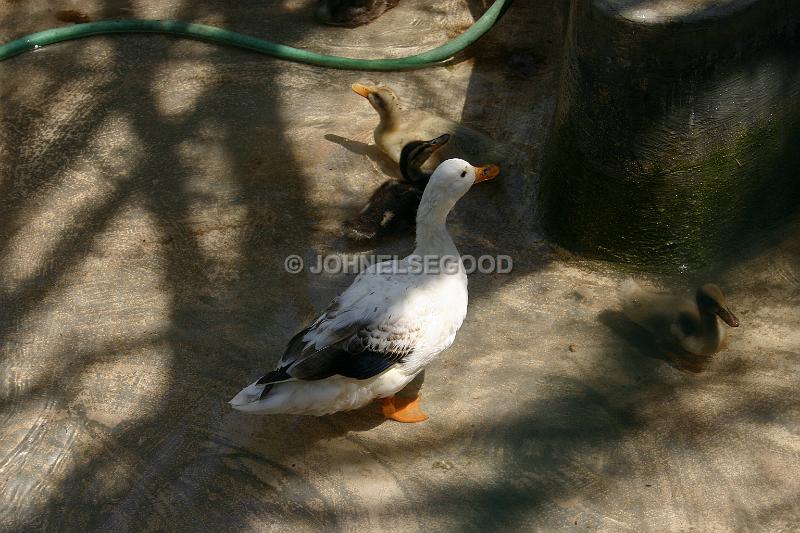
point(413, 174)
point(712, 333)
point(389, 119)
point(432, 235)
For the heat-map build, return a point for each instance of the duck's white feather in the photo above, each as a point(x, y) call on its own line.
point(321, 397)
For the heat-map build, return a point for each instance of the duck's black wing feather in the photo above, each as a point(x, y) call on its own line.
point(365, 354)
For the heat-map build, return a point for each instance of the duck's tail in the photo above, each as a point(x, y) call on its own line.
point(258, 390)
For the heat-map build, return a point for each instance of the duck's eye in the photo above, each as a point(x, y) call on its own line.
point(464, 173)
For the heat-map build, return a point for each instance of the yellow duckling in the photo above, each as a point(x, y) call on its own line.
point(677, 322)
point(398, 127)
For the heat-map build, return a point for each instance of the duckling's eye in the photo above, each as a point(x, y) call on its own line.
point(464, 173)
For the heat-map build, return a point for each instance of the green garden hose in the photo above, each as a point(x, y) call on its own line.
point(219, 35)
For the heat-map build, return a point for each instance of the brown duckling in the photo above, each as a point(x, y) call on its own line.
point(679, 323)
point(351, 13)
point(395, 202)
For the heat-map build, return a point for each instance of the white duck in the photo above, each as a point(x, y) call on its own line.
point(377, 335)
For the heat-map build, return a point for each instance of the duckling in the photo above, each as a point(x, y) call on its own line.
point(395, 202)
point(414, 155)
point(389, 206)
point(678, 322)
point(398, 127)
point(351, 13)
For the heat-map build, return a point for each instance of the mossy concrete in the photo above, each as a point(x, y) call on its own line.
point(676, 139)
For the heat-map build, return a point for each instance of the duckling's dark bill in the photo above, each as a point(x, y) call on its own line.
point(485, 173)
point(728, 317)
point(361, 90)
point(441, 139)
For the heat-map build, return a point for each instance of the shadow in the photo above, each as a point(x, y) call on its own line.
point(636, 336)
point(648, 346)
point(510, 74)
point(381, 161)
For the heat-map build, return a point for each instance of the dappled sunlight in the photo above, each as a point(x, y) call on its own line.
point(155, 9)
point(376, 494)
point(659, 11)
point(214, 221)
point(61, 214)
point(96, 56)
point(50, 329)
point(211, 167)
point(179, 87)
point(25, 491)
point(124, 387)
point(62, 435)
point(774, 334)
point(215, 231)
point(39, 85)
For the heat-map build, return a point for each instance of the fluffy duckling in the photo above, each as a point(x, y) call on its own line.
point(382, 331)
point(351, 13)
point(395, 202)
point(398, 127)
point(677, 321)
point(414, 156)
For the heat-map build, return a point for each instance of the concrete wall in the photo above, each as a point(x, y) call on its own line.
point(677, 132)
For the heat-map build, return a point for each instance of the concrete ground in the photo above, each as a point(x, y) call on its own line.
point(150, 189)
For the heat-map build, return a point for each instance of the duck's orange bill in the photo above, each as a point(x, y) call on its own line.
point(486, 172)
point(361, 90)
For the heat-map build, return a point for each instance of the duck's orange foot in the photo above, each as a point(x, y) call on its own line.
point(403, 409)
